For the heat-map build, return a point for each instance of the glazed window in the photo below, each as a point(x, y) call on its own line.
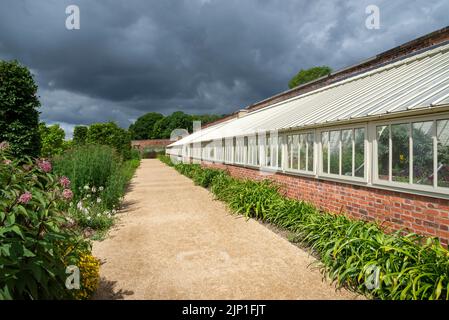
point(343, 152)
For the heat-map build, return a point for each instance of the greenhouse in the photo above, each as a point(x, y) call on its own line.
point(387, 127)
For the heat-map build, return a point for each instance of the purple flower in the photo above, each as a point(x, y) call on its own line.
point(67, 194)
point(4, 145)
point(25, 197)
point(44, 165)
point(65, 182)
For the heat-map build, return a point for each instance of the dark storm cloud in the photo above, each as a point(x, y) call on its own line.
point(199, 56)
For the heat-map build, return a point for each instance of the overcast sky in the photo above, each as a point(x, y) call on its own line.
point(130, 57)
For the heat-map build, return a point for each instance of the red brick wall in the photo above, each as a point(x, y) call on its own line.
point(141, 144)
point(396, 210)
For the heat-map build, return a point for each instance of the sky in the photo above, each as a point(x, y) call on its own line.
point(130, 57)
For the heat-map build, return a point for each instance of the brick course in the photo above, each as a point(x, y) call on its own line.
point(395, 210)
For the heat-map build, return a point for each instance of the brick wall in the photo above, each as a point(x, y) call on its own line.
point(142, 144)
point(396, 210)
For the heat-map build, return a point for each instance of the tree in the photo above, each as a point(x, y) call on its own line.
point(52, 140)
point(110, 134)
point(177, 120)
point(304, 76)
point(80, 135)
point(19, 117)
point(143, 128)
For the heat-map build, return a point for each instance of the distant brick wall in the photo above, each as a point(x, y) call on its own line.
point(142, 144)
point(415, 213)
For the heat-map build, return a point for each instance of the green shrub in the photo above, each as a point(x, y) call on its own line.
point(99, 179)
point(36, 243)
point(409, 266)
point(88, 165)
point(110, 134)
point(19, 117)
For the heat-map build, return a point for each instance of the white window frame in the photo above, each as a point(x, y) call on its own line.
point(408, 186)
point(285, 156)
point(339, 176)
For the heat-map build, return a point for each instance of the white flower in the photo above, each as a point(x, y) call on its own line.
point(88, 218)
point(114, 211)
point(101, 188)
point(70, 204)
point(94, 189)
point(80, 205)
point(86, 187)
point(98, 200)
point(88, 196)
point(98, 214)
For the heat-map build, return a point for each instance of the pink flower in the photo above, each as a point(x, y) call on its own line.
point(65, 182)
point(67, 194)
point(25, 197)
point(7, 161)
point(4, 145)
point(44, 165)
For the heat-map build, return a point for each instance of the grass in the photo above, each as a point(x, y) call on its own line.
point(355, 254)
point(99, 179)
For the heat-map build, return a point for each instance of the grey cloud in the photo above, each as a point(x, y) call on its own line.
point(199, 56)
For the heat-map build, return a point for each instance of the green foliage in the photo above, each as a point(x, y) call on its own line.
point(52, 140)
point(143, 128)
point(19, 118)
point(99, 167)
point(155, 126)
point(307, 75)
point(410, 266)
point(87, 165)
point(36, 244)
point(80, 135)
point(110, 134)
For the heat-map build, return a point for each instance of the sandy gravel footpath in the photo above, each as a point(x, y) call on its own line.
point(173, 241)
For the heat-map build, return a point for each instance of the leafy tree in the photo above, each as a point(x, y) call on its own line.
point(19, 118)
point(110, 134)
point(80, 135)
point(307, 75)
point(52, 140)
point(177, 120)
point(143, 128)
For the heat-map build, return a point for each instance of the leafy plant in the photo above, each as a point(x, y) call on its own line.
point(19, 117)
point(36, 243)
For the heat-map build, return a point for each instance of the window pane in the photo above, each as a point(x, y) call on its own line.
point(302, 152)
point(400, 150)
point(346, 152)
point(325, 150)
point(310, 152)
point(443, 153)
point(383, 152)
point(280, 148)
point(289, 151)
point(334, 152)
point(268, 151)
point(359, 152)
point(295, 151)
point(423, 153)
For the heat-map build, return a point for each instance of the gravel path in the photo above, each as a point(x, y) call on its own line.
point(173, 241)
